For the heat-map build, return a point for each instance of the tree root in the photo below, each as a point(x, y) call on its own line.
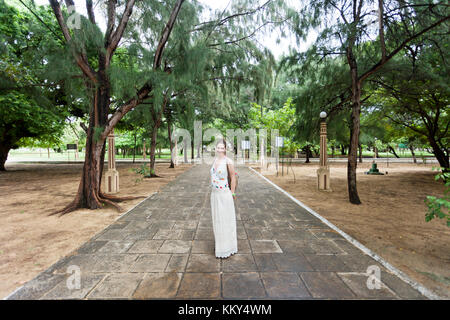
point(119, 199)
point(74, 205)
point(112, 203)
point(101, 199)
point(152, 176)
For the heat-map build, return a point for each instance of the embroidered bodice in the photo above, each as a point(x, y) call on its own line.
point(219, 176)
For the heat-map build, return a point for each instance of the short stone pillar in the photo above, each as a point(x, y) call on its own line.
point(323, 173)
point(112, 175)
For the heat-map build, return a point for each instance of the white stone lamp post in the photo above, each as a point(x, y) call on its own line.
point(323, 173)
point(112, 175)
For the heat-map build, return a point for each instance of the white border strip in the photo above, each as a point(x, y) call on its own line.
point(426, 292)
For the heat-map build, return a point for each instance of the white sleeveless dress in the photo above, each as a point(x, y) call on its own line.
point(223, 211)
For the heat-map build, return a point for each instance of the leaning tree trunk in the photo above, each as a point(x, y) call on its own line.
point(411, 148)
point(354, 130)
point(4, 150)
point(440, 155)
point(393, 151)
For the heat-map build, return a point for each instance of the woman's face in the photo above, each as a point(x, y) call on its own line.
point(220, 148)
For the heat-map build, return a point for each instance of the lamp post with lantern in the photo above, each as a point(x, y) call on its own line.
point(323, 173)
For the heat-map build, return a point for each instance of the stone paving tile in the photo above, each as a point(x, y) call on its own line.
point(359, 262)
point(242, 285)
point(91, 246)
point(158, 286)
point(113, 234)
point(175, 246)
point(204, 246)
point(326, 285)
point(203, 263)
point(243, 246)
point(37, 287)
point(265, 246)
point(239, 263)
point(357, 282)
point(291, 262)
point(284, 285)
point(114, 246)
point(204, 234)
point(146, 246)
point(164, 248)
point(117, 285)
point(400, 287)
point(167, 234)
point(83, 261)
point(113, 262)
point(63, 291)
point(199, 286)
point(150, 263)
point(295, 246)
point(264, 262)
point(177, 263)
point(326, 263)
point(325, 246)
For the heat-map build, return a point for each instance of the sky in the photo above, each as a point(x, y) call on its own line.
point(268, 41)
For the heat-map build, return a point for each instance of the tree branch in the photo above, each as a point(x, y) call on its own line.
point(381, 63)
point(117, 35)
point(90, 11)
point(165, 34)
point(79, 58)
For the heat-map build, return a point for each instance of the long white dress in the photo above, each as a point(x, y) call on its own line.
point(223, 211)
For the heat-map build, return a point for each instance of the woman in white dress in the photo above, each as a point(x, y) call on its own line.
point(222, 203)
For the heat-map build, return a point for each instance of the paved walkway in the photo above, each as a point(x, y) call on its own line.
point(164, 248)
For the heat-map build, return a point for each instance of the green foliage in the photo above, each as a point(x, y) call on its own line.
point(439, 207)
point(144, 170)
point(30, 111)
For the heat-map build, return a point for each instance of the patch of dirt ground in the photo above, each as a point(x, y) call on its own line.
point(31, 240)
point(391, 219)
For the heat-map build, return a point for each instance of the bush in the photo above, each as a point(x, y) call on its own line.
point(438, 207)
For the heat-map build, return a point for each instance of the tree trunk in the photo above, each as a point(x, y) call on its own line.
point(153, 150)
point(393, 151)
point(441, 157)
point(192, 150)
point(134, 149)
point(354, 130)
point(411, 148)
point(157, 123)
point(307, 150)
point(89, 193)
point(360, 153)
point(332, 151)
point(342, 150)
point(4, 150)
